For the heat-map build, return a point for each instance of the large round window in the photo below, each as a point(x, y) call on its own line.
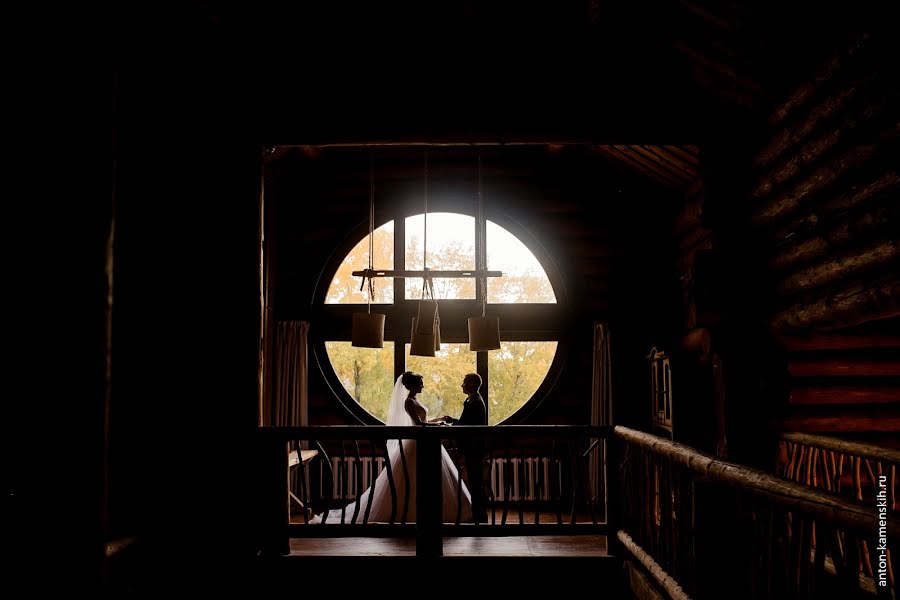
point(523, 298)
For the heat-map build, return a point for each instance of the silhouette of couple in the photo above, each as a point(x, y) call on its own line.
point(406, 410)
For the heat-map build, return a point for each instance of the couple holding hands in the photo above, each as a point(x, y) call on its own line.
point(406, 410)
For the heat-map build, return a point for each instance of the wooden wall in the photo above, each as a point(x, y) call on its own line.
point(789, 255)
point(602, 230)
point(827, 200)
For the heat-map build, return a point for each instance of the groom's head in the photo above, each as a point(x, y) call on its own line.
point(471, 383)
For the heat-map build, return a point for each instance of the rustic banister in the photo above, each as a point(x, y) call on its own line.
point(503, 442)
point(853, 515)
point(663, 579)
point(456, 432)
point(843, 446)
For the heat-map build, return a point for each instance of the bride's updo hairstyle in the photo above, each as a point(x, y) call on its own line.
point(409, 379)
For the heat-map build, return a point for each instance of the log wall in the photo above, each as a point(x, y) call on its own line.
point(827, 204)
point(817, 205)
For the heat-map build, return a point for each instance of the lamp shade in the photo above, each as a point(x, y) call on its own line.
point(368, 330)
point(421, 344)
point(484, 333)
point(426, 317)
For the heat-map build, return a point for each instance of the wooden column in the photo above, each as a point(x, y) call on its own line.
point(276, 503)
point(615, 489)
point(429, 542)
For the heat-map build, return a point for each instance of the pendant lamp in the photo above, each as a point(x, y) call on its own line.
point(484, 331)
point(368, 327)
point(425, 336)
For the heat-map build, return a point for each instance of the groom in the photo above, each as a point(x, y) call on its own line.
point(474, 413)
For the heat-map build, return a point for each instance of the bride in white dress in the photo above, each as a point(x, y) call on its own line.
point(406, 410)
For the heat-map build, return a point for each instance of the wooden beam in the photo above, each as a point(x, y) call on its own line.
point(635, 154)
point(858, 303)
point(861, 227)
point(851, 265)
point(476, 142)
point(617, 155)
point(810, 152)
point(609, 128)
point(804, 93)
point(458, 432)
point(724, 71)
point(838, 341)
point(845, 395)
point(822, 178)
point(689, 154)
point(856, 421)
point(818, 117)
point(851, 367)
point(430, 273)
point(856, 196)
point(666, 164)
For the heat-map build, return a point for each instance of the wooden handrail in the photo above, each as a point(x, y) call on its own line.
point(456, 432)
point(853, 515)
point(276, 528)
point(843, 446)
point(663, 579)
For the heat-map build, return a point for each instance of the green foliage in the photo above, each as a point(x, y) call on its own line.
point(515, 372)
point(366, 373)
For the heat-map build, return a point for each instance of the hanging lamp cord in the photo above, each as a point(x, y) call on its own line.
point(371, 295)
point(427, 283)
point(481, 259)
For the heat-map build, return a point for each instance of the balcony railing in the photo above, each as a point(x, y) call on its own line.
point(550, 480)
point(706, 528)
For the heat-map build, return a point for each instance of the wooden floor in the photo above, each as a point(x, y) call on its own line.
point(502, 546)
point(511, 546)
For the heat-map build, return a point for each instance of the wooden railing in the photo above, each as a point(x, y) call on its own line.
point(571, 500)
point(843, 467)
point(706, 528)
point(848, 469)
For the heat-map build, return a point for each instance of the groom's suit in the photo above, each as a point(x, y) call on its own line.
point(474, 413)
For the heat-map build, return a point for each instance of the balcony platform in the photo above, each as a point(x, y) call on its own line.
point(508, 546)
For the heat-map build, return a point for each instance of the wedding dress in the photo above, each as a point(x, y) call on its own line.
point(380, 509)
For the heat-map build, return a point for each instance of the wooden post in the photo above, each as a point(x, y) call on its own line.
point(276, 502)
point(615, 489)
point(429, 542)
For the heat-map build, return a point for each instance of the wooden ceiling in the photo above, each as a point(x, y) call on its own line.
point(669, 72)
point(671, 166)
point(648, 82)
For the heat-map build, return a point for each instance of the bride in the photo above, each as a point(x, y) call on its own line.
point(404, 410)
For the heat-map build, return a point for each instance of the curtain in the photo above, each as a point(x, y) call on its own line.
point(291, 406)
point(601, 408)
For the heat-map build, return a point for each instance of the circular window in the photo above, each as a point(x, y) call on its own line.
point(523, 298)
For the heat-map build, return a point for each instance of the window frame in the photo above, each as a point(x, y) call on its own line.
point(334, 320)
